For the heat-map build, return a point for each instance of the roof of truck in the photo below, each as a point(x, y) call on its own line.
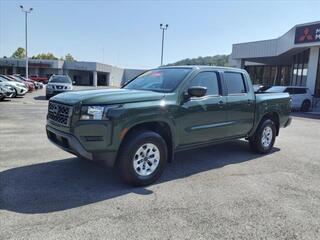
point(205, 67)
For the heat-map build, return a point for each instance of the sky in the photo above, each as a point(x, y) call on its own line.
point(127, 33)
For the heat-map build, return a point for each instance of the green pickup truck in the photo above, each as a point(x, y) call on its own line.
point(139, 127)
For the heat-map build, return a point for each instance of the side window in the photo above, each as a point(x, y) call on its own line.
point(289, 90)
point(235, 82)
point(208, 80)
point(300, 91)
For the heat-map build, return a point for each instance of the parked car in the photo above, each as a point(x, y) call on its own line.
point(260, 88)
point(2, 95)
point(31, 85)
point(19, 88)
point(58, 84)
point(139, 128)
point(36, 84)
point(43, 80)
point(301, 96)
point(8, 90)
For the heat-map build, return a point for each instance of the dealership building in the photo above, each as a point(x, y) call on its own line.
point(82, 73)
point(291, 59)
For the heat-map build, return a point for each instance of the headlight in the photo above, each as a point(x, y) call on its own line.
point(95, 112)
point(49, 86)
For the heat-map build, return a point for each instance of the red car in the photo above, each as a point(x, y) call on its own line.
point(29, 84)
point(39, 79)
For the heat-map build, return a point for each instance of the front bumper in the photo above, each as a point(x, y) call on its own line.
point(21, 91)
point(71, 144)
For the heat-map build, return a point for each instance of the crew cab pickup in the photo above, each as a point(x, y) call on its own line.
point(139, 127)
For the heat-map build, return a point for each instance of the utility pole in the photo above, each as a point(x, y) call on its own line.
point(163, 28)
point(26, 36)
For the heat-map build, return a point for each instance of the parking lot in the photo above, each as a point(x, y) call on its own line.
point(220, 192)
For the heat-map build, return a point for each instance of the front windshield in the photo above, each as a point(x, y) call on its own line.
point(276, 89)
point(160, 80)
point(60, 79)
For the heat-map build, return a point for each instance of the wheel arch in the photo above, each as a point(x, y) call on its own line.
point(161, 127)
point(274, 116)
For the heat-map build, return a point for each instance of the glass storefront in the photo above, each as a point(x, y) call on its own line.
point(282, 75)
point(317, 88)
point(270, 75)
point(300, 68)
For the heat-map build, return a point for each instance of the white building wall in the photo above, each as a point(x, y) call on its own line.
point(312, 68)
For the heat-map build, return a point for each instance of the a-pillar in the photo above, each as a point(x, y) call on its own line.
point(95, 78)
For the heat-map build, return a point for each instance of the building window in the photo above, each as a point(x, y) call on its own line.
point(317, 87)
point(300, 68)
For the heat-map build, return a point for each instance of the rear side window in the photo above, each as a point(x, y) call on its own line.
point(208, 80)
point(289, 90)
point(300, 91)
point(235, 83)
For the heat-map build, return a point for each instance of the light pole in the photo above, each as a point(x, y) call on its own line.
point(163, 28)
point(26, 29)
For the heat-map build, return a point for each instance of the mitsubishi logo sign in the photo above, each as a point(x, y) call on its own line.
point(307, 34)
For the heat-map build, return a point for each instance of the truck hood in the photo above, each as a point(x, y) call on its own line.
point(106, 96)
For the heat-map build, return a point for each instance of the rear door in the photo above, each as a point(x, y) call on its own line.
point(240, 103)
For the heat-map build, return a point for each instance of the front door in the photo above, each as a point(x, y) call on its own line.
point(203, 119)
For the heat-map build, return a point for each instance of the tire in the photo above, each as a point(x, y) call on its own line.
point(305, 106)
point(134, 165)
point(16, 93)
point(263, 139)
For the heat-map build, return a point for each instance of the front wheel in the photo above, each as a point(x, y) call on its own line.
point(263, 139)
point(305, 106)
point(142, 158)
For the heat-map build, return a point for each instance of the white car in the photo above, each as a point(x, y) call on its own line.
point(301, 96)
point(19, 88)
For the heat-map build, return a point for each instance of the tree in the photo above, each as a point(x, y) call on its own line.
point(19, 53)
point(47, 56)
point(217, 60)
point(69, 58)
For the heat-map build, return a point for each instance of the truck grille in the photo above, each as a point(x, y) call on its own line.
point(59, 113)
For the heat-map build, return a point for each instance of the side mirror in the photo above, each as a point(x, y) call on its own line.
point(197, 91)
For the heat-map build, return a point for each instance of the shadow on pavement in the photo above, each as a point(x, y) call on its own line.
point(43, 98)
point(69, 183)
point(306, 115)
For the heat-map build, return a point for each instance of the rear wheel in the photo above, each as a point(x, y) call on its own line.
point(142, 158)
point(305, 106)
point(263, 139)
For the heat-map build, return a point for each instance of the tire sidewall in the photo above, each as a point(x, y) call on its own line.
point(130, 148)
point(266, 123)
point(305, 105)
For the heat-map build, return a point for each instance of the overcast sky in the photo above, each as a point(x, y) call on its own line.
point(127, 34)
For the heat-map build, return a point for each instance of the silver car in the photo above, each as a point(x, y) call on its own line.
point(20, 88)
point(8, 90)
point(58, 84)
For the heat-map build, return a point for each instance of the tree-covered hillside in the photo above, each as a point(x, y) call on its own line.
point(217, 60)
